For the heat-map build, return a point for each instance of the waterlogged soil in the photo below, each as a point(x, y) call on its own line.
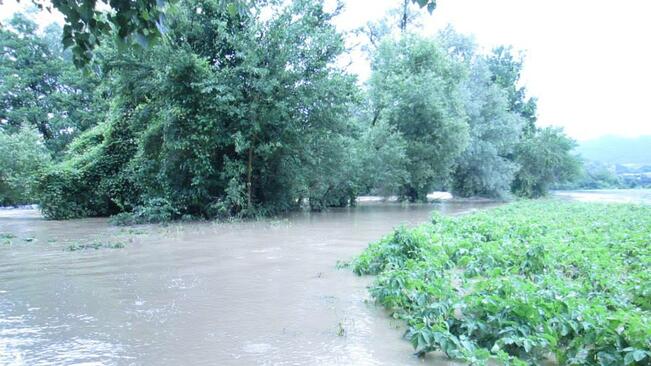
point(249, 293)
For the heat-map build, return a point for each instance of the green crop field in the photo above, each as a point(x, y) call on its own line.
point(527, 283)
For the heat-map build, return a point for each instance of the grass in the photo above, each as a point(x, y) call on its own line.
point(528, 282)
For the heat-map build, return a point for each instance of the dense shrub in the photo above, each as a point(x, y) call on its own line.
point(94, 179)
point(154, 211)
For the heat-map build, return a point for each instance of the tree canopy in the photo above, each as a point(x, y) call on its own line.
point(40, 88)
point(140, 22)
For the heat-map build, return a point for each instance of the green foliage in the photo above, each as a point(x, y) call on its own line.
point(521, 282)
point(154, 211)
point(40, 88)
point(595, 175)
point(239, 112)
point(140, 21)
point(231, 115)
point(22, 156)
point(382, 163)
point(505, 68)
point(90, 181)
point(484, 168)
point(414, 88)
point(545, 157)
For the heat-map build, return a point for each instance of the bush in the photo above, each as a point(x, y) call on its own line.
point(155, 211)
point(63, 194)
point(94, 178)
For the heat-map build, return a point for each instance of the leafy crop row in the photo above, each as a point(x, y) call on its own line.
point(526, 283)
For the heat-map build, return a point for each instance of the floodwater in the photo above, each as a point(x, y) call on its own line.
point(249, 293)
point(608, 195)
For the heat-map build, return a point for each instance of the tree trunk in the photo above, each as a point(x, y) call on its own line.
point(249, 176)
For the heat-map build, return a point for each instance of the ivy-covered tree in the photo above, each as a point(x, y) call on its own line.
point(230, 114)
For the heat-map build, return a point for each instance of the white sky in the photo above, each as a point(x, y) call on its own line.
point(588, 61)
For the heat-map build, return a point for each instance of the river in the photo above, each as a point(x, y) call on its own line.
point(247, 293)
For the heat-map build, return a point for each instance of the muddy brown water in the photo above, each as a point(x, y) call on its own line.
point(250, 293)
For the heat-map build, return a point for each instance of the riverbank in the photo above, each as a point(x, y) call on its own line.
point(521, 282)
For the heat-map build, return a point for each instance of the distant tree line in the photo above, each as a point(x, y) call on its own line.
point(247, 112)
point(599, 175)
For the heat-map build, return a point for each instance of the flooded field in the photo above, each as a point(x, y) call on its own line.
point(250, 293)
point(265, 293)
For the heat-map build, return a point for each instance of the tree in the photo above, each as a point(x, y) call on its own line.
point(229, 115)
point(22, 156)
point(506, 69)
point(545, 158)
point(40, 89)
point(414, 88)
point(484, 167)
point(139, 22)
point(597, 175)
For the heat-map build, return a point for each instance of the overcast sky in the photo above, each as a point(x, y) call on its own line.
point(587, 61)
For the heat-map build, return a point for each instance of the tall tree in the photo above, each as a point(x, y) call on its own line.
point(40, 89)
point(544, 156)
point(506, 69)
point(414, 88)
point(484, 167)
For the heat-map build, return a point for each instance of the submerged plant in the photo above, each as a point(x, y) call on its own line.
point(7, 236)
point(94, 245)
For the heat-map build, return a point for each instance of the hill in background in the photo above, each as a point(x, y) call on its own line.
point(617, 150)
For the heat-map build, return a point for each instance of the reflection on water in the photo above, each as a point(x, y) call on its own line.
point(248, 293)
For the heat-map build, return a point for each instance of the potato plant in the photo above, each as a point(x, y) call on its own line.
point(526, 283)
